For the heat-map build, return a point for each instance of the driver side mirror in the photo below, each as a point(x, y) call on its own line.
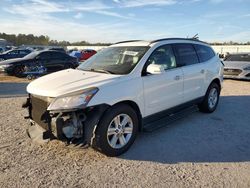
point(155, 69)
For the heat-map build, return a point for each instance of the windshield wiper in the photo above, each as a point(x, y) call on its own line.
point(97, 70)
point(101, 71)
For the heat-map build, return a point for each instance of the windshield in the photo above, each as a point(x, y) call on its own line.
point(115, 60)
point(32, 55)
point(237, 57)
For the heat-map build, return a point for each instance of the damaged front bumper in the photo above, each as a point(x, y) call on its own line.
point(76, 126)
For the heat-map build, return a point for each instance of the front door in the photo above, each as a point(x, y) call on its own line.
point(165, 90)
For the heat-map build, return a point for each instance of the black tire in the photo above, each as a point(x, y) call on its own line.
point(68, 66)
point(101, 142)
point(18, 71)
point(204, 106)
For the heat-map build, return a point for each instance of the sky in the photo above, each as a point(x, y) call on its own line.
point(118, 20)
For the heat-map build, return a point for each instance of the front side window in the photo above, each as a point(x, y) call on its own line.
point(164, 56)
point(14, 52)
point(205, 53)
point(186, 54)
point(115, 60)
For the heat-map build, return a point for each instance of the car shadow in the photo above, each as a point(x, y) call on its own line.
point(223, 136)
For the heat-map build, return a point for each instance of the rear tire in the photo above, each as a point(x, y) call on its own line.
point(211, 99)
point(116, 130)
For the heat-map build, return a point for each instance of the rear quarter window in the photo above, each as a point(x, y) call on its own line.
point(204, 53)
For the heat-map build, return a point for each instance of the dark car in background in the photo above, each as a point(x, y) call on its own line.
point(17, 53)
point(52, 60)
point(60, 49)
point(237, 66)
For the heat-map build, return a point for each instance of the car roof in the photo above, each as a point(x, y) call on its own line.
point(149, 43)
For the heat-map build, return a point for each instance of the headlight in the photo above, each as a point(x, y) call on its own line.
point(247, 68)
point(74, 100)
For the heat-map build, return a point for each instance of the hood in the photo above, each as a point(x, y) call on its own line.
point(10, 61)
point(68, 81)
point(236, 64)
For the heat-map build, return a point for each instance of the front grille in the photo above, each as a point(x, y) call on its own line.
point(233, 72)
point(39, 110)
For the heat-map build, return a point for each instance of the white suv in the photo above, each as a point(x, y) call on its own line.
point(128, 87)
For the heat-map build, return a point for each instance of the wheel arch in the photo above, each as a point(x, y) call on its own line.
point(135, 106)
point(217, 81)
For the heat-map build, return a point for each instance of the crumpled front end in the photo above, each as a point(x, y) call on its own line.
point(73, 126)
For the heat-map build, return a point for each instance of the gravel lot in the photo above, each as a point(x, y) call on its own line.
point(199, 151)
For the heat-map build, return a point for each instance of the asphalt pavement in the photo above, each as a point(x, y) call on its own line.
point(9, 89)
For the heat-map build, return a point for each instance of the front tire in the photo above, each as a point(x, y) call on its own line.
point(211, 99)
point(18, 71)
point(116, 130)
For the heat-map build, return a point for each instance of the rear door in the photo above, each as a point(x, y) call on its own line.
point(56, 61)
point(165, 90)
point(193, 71)
point(43, 59)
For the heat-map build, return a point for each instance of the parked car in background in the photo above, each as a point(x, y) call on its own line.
point(125, 88)
point(76, 54)
point(237, 66)
point(86, 54)
point(1, 50)
point(52, 60)
point(60, 49)
point(11, 54)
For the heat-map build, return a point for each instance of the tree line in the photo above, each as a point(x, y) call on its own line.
point(30, 39)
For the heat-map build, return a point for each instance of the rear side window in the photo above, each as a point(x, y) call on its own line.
point(44, 55)
point(205, 53)
point(23, 52)
point(186, 54)
point(56, 55)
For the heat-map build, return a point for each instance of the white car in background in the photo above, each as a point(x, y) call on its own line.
point(125, 88)
point(237, 66)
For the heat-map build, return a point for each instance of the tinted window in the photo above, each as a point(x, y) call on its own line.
point(186, 54)
point(23, 52)
point(44, 55)
point(238, 57)
point(57, 55)
point(14, 52)
point(205, 53)
point(164, 56)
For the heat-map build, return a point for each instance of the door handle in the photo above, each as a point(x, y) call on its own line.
point(177, 77)
point(202, 71)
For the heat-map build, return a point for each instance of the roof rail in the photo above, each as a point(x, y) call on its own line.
point(189, 39)
point(127, 41)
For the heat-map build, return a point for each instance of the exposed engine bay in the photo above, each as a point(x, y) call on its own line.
point(76, 126)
